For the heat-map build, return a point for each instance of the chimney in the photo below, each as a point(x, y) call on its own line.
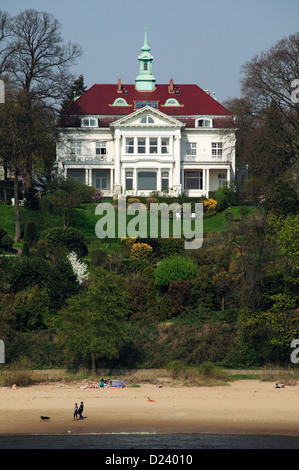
point(119, 86)
point(171, 87)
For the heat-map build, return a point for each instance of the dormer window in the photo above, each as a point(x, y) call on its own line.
point(147, 120)
point(120, 102)
point(89, 122)
point(203, 122)
point(172, 102)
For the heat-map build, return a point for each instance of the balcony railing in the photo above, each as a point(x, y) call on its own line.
point(205, 158)
point(89, 158)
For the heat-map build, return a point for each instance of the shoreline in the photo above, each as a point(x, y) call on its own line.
point(247, 407)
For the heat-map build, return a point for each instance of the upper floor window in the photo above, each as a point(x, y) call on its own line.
point(147, 120)
point(76, 148)
point(120, 102)
point(153, 145)
point(89, 122)
point(141, 145)
point(204, 123)
point(143, 103)
point(101, 148)
point(130, 145)
point(217, 149)
point(165, 145)
point(172, 102)
point(190, 148)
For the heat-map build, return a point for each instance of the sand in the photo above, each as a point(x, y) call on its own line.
point(243, 407)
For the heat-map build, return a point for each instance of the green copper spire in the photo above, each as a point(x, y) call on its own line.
point(145, 80)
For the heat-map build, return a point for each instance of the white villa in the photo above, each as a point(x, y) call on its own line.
point(139, 138)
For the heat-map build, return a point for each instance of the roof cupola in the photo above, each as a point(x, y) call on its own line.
point(145, 80)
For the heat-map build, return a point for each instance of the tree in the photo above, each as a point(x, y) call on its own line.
point(66, 194)
point(29, 307)
point(92, 323)
point(31, 233)
point(36, 58)
point(152, 307)
point(21, 133)
point(4, 35)
point(268, 78)
point(66, 239)
point(76, 90)
point(37, 63)
point(281, 199)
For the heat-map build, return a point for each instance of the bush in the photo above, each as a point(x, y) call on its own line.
point(175, 268)
point(98, 256)
point(6, 243)
point(169, 247)
point(31, 233)
point(97, 196)
point(141, 251)
point(26, 249)
point(68, 238)
point(244, 211)
point(149, 201)
point(32, 199)
point(210, 205)
point(222, 202)
point(133, 200)
point(41, 249)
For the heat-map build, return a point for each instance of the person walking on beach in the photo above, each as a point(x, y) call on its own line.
point(75, 412)
point(80, 411)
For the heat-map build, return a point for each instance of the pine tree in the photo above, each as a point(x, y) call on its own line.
point(76, 91)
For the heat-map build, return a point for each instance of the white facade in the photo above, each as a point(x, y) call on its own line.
point(148, 151)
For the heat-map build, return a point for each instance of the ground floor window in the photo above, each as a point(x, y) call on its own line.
point(193, 180)
point(147, 180)
point(221, 180)
point(165, 181)
point(101, 179)
point(129, 179)
point(77, 175)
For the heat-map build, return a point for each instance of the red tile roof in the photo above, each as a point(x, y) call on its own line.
point(98, 101)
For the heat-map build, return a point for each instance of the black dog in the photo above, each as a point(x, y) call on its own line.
point(45, 418)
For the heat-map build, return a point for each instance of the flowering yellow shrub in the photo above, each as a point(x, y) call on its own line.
point(210, 205)
point(141, 251)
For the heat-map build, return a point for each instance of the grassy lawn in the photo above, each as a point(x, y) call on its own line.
point(85, 220)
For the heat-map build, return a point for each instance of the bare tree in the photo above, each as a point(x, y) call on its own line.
point(5, 31)
point(268, 78)
point(38, 60)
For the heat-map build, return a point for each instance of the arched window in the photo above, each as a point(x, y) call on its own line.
point(120, 102)
point(147, 120)
point(172, 102)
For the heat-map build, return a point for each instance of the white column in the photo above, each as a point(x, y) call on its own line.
point(208, 182)
point(159, 180)
point(86, 176)
point(177, 187)
point(228, 175)
point(117, 175)
point(204, 179)
point(111, 180)
point(135, 181)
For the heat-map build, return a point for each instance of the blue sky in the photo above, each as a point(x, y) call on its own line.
point(192, 41)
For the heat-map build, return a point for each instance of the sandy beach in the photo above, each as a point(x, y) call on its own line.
point(246, 407)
